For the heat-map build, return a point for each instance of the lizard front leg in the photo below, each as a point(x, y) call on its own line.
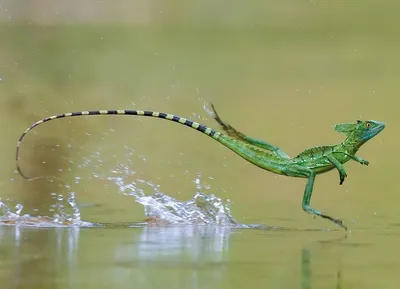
point(358, 159)
point(340, 168)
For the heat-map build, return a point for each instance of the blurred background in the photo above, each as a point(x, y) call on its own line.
point(282, 71)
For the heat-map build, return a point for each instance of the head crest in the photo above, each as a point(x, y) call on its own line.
point(346, 128)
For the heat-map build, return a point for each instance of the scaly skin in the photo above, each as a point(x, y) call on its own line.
point(307, 164)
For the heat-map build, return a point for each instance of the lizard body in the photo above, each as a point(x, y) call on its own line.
point(307, 164)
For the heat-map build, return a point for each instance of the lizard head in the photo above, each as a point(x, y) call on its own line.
point(360, 131)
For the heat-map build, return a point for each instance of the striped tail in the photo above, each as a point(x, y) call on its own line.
point(195, 125)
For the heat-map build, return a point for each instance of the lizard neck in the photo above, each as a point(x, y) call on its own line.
point(351, 144)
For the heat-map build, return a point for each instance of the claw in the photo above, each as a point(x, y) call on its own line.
point(342, 178)
point(339, 223)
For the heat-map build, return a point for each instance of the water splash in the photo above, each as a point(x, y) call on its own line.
point(161, 208)
point(60, 218)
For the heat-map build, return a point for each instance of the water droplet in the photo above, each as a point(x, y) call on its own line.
point(18, 209)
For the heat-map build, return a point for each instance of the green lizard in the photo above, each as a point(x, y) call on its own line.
point(307, 164)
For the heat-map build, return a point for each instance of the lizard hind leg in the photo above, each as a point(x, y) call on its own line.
point(299, 171)
point(232, 132)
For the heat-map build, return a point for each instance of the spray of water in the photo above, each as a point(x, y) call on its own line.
point(159, 208)
point(60, 216)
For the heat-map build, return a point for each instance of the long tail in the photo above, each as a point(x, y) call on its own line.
point(195, 125)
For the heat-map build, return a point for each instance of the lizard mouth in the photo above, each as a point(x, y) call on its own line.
point(379, 128)
point(375, 130)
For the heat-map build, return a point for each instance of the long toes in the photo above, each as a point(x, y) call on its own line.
point(336, 221)
point(340, 223)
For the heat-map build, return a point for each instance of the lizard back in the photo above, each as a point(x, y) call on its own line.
point(315, 152)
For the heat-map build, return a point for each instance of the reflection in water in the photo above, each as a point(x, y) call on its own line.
point(185, 256)
point(144, 256)
point(305, 269)
point(308, 253)
point(37, 257)
point(197, 240)
point(199, 253)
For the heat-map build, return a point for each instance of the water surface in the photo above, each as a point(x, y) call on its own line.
point(144, 203)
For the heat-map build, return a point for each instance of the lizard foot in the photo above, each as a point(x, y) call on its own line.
point(338, 222)
point(342, 177)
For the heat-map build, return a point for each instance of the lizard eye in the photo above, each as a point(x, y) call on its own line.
point(368, 125)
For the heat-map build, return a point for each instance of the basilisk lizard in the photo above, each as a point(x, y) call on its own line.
point(307, 164)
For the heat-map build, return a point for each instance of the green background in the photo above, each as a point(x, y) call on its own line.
point(282, 71)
